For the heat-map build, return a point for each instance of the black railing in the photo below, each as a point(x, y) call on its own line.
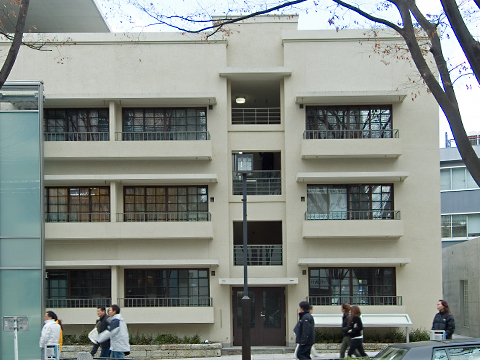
point(77, 217)
point(351, 134)
point(259, 183)
point(162, 135)
point(255, 116)
point(78, 303)
point(192, 301)
point(258, 255)
point(76, 136)
point(355, 300)
point(354, 215)
point(163, 216)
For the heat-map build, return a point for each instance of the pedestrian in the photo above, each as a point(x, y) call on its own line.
point(304, 331)
point(101, 325)
point(117, 332)
point(313, 351)
point(355, 331)
point(50, 332)
point(444, 320)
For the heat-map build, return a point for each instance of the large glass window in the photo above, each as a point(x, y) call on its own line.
point(348, 122)
point(460, 225)
point(76, 125)
point(165, 124)
point(82, 204)
point(167, 287)
point(78, 288)
point(166, 203)
point(366, 286)
point(341, 202)
point(456, 179)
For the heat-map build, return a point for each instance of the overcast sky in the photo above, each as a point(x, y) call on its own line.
point(313, 18)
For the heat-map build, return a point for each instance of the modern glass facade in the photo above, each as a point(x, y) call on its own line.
point(21, 222)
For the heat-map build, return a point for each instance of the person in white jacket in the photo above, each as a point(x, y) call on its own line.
point(50, 332)
point(117, 332)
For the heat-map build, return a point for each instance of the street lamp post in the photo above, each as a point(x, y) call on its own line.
point(244, 165)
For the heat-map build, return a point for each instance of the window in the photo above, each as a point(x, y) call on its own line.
point(82, 204)
point(165, 124)
point(78, 288)
point(341, 202)
point(76, 125)
point(166, 203)
point(167, 287)
point(456, 179)
point(464, 302)
point(348, 122)
point(460, 225)
point(361, 286)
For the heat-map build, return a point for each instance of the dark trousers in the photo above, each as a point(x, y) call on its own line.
point(356, 344)
point(303, 352)
point(105, 352)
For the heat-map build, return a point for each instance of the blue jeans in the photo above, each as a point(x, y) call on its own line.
point(117, 355)
point(105, 352)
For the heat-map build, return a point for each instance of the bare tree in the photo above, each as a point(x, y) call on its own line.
point(411, 21)
point(16, 40)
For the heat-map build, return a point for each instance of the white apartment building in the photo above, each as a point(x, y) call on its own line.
point(143, 207)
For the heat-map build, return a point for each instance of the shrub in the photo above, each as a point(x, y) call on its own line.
point(419, 335)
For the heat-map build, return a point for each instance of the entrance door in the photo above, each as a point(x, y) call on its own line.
point(267, 318)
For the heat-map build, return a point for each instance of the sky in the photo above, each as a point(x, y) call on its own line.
point(315, 18)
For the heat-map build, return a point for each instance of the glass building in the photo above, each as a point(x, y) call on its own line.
point(21, 209)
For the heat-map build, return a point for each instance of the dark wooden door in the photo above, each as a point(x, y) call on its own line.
point(267, 317)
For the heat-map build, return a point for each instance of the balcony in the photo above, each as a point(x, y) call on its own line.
point(355, 300)
point(353, 224)
point(163, 216)
point(259, 183)
point(77, 217)
point(262, 255)
point(162, 136)
point(76, 136)
point(351, 144)
point(256, 116)
point(195, 301)
point(77, 303)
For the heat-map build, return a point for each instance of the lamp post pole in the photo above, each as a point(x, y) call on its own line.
point(246, 304)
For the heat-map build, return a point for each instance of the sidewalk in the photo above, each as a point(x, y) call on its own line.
point(272, 357)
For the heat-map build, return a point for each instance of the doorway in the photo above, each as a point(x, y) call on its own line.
point(267, 317)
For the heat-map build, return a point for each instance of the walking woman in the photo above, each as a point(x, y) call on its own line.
point(356, 332)
point(50, 332)
point(444, 320)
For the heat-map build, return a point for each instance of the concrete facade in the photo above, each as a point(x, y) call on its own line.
point(279, 65)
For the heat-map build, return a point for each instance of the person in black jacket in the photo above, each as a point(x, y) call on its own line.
point(304, 331)
point(102, 325)
point(444, 320)
point(356, 332)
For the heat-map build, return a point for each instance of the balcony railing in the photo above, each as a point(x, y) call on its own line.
point(351, 134)
point(256, 116)
point(355, 300)
point(354, 215)
point(163, 216)
point(166, 302)
point(162, 136)
point(77, 217)
point(258, 254)
point(78, 303)
point(259, 183)
point(76, 136)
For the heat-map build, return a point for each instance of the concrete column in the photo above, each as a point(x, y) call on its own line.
point(115, 293)
point(112, 119)
point(113, 201)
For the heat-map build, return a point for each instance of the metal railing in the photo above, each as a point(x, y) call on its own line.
point(255, 116)
point(162, 136)
point(351, 134)
point(191, 301)
point(355, 300)
point(259, 183)
point(76, 136)
point(163, 216)
point(78, 303)
point(258, 255)
point(77, 217)
point(354, 215)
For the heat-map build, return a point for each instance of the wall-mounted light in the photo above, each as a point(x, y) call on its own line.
point(240, 100)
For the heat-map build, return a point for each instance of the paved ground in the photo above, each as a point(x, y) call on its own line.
point(273, 357)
